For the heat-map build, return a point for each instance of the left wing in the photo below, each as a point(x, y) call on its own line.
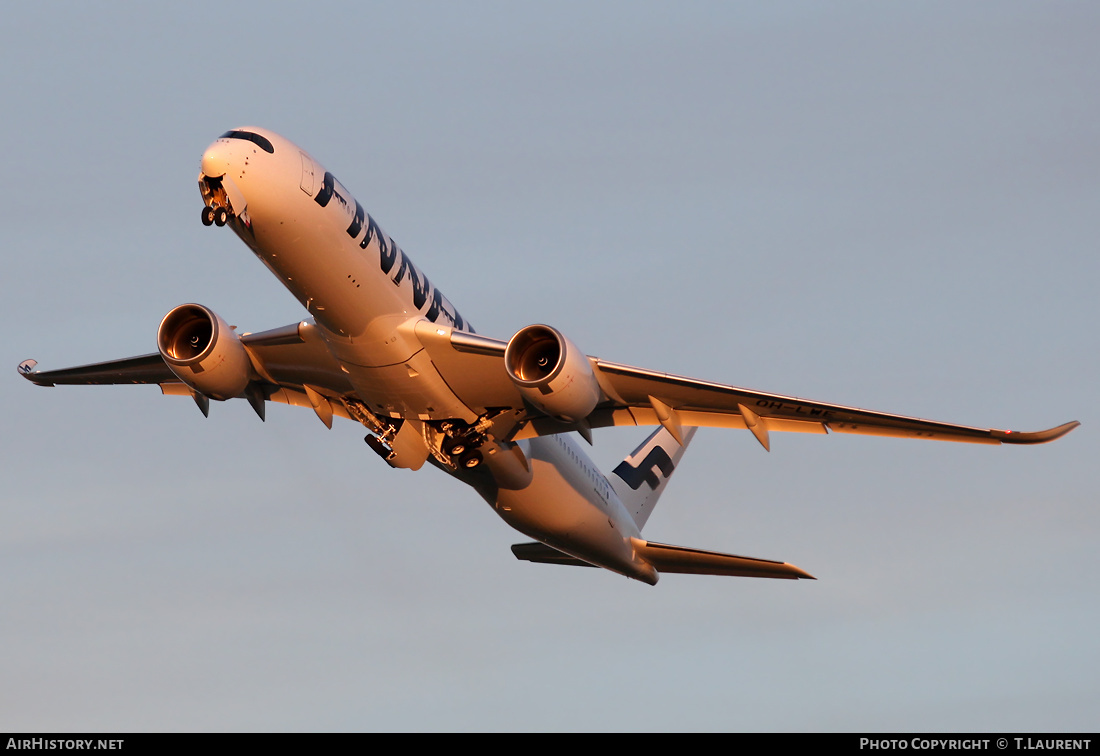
point(473, 366)
point(650, 398)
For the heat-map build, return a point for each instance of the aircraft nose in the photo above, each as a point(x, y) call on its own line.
point(215, 161)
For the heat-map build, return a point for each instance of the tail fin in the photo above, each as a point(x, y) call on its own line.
point(641, 477)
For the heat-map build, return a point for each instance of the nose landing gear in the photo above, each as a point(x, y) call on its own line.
point(217, 216)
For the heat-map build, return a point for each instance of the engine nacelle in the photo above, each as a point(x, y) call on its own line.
point(551, 373)
point(204, 352)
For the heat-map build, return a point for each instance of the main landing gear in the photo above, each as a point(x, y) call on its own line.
point(461, 450)
point(462, 457)
point(216, 216)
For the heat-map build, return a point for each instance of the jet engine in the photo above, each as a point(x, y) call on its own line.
point(551, 373)
point(204, 352)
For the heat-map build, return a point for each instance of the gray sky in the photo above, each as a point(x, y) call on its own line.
point(887, 205)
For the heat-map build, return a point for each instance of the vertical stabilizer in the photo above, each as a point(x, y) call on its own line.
point(641, 477)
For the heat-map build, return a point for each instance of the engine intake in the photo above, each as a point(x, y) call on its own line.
point(551, 373)
point(204, 352)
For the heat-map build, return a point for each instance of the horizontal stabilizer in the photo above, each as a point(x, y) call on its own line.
point(540, 552)
point(665, 558)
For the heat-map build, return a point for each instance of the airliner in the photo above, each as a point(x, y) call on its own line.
point(384, 347)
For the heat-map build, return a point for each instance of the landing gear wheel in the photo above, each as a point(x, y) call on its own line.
point(455, 447)
point(221, 216)
point(208, 216)
point(470, 460)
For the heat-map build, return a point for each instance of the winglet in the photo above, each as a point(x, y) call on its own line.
point(27, 370)
point(1037, 437)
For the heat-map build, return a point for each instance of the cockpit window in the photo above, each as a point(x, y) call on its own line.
point(262, 142)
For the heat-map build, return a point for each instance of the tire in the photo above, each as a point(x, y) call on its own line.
point(470, 460)
point(207, 216)
point(221, 216)
point(455, 447)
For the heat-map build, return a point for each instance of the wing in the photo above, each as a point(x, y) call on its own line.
point(652, 397)
point(473, 366)
point(292, 366)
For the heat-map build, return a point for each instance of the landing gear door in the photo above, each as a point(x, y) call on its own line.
point(307, 174)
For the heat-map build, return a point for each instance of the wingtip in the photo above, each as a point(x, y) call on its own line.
point(800, 573)
point(1037, 437)
point(27, 370)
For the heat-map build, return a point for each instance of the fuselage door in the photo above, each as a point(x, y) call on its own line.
point(307, 174)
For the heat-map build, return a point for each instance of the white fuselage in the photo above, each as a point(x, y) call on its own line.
point(366, 296)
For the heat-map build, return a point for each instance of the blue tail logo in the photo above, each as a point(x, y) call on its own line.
point(644, 472)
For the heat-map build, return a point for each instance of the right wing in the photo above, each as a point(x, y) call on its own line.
point(148, 368)
point(292, 367)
